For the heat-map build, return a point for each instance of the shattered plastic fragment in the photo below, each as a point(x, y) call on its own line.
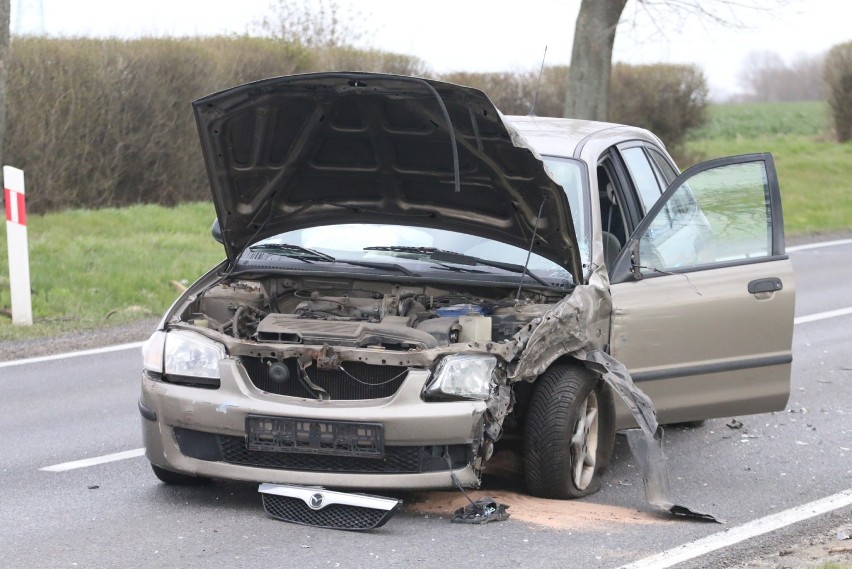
point(482, 511)
point(734, 424)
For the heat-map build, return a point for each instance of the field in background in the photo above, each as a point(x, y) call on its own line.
point(750, 120)
point(91, 268)
point(815, 173)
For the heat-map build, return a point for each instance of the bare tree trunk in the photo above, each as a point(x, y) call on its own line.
point(591, 59)
point(4, 59)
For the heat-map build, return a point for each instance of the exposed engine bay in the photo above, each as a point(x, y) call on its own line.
point(365, 314)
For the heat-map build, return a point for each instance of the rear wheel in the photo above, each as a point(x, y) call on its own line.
point(569, 433)
point(177, 479)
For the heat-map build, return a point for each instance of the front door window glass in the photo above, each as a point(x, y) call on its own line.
point(719, 215)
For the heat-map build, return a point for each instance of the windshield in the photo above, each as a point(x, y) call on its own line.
point(396, 244)
point(569, 174)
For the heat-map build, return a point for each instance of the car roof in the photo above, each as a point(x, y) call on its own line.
point(567, 137)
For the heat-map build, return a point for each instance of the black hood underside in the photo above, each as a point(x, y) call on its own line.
point(308, 150)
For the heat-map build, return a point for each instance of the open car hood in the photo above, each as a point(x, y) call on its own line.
point(300, 151)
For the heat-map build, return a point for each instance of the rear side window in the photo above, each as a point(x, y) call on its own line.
point(644, 178)
point(663, 165)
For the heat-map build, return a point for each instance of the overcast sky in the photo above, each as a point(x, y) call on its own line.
point(482, 35)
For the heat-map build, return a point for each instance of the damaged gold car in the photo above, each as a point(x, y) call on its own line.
point(413, 278)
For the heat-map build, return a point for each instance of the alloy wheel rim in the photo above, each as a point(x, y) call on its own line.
point(584, 442)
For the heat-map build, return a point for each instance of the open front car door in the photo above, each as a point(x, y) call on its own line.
point(703, 295)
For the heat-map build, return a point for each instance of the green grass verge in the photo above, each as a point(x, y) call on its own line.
point(94, 268)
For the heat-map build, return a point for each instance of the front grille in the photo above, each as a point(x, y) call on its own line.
point(355, 381)
point(396, 459)
point(334, 516)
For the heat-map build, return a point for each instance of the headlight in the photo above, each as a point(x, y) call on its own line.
point(152, 352)
point(184, 357)
point(465, 376)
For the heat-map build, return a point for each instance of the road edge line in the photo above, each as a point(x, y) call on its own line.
point(92, 352)
point(817, 245)
point(94, 461)
point(822, 315)
point(740, 533)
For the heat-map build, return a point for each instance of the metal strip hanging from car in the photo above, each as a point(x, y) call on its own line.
point(646, 443)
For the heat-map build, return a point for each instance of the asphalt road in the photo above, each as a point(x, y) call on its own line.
point(117, 514)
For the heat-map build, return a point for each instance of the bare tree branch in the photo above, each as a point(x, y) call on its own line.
point(591, 58)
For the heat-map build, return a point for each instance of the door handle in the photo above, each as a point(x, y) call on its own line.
point(771, 284)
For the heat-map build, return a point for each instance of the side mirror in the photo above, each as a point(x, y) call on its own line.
point(216, 231)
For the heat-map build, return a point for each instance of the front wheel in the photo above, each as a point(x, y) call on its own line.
point(569, 433)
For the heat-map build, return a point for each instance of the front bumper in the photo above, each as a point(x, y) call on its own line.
point(202, 432)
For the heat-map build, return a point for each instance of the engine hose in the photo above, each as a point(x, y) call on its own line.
point(235, 332)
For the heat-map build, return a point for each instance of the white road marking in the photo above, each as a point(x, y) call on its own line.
point(86, 462)
point(92, 352)
point(746, 531)
point(818, 245)
point(822, 315)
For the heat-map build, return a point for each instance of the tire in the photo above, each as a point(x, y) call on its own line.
point(177, 479)
point(569, 433)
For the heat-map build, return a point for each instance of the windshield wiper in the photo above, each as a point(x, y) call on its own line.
point(459, 259)
point(460, 269)
point(395, 266)
point(308, 255)
point(293, 251)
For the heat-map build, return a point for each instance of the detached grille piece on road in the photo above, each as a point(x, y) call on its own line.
point(321, 508)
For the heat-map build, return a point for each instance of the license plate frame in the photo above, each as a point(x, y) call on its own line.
point(312, 436)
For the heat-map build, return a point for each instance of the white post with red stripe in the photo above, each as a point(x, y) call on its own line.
point(16, 240)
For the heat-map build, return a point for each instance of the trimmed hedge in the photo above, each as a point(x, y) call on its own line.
point(107, 123)
point(669, 100)
point(104, 123)
point(838, 76)
point(514, 93)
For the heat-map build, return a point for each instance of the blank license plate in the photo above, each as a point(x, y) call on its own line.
point(284, 434)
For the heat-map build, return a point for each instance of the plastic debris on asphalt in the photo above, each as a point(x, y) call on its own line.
point(482, 511)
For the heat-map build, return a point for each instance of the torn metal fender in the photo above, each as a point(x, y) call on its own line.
point(579, 321)
point(646, 443)
point(618, 378)
point(499, 406)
